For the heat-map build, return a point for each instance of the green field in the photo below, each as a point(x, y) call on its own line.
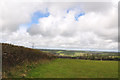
point(75, 68)
point(91, 55)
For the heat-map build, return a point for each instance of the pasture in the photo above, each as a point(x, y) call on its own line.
point(75, 68)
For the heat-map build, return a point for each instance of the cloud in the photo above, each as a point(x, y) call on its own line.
point(15, 13)
point(83, 25)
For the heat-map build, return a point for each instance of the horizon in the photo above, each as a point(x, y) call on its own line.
point(74, 49)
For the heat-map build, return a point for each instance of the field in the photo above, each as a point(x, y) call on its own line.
point(22, 62)
point(75, 68)
point(86, 55)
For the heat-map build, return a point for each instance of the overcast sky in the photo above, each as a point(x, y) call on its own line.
point(75, 25)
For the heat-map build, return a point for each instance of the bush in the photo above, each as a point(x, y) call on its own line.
point(17, 55)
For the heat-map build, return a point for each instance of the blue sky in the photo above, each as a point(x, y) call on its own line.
point(37, 15)
point(77, 15)
point(80, 14)
point(35, 18)
point(66, 25)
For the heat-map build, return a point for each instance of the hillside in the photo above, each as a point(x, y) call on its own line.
point(13, 56)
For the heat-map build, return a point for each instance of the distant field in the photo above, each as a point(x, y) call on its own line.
point(75, 68)
point(91, 55)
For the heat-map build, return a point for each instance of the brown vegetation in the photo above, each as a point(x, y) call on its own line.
point(13, 56)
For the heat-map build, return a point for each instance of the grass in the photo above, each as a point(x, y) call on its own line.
point(75, 68)
point(14, 57)
point(20, 70)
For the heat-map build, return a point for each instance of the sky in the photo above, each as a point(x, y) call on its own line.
point(60, 24)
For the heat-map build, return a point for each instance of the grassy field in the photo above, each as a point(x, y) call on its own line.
point(75, 68)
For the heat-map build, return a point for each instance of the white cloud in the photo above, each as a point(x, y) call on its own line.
point(12, 13)
point(97, 29)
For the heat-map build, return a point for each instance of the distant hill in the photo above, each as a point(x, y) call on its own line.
point(55, 51)
point(13, 55)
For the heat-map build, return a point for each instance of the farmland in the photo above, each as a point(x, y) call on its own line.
point(22, 62)
point(86, 55)
point(75, 68)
